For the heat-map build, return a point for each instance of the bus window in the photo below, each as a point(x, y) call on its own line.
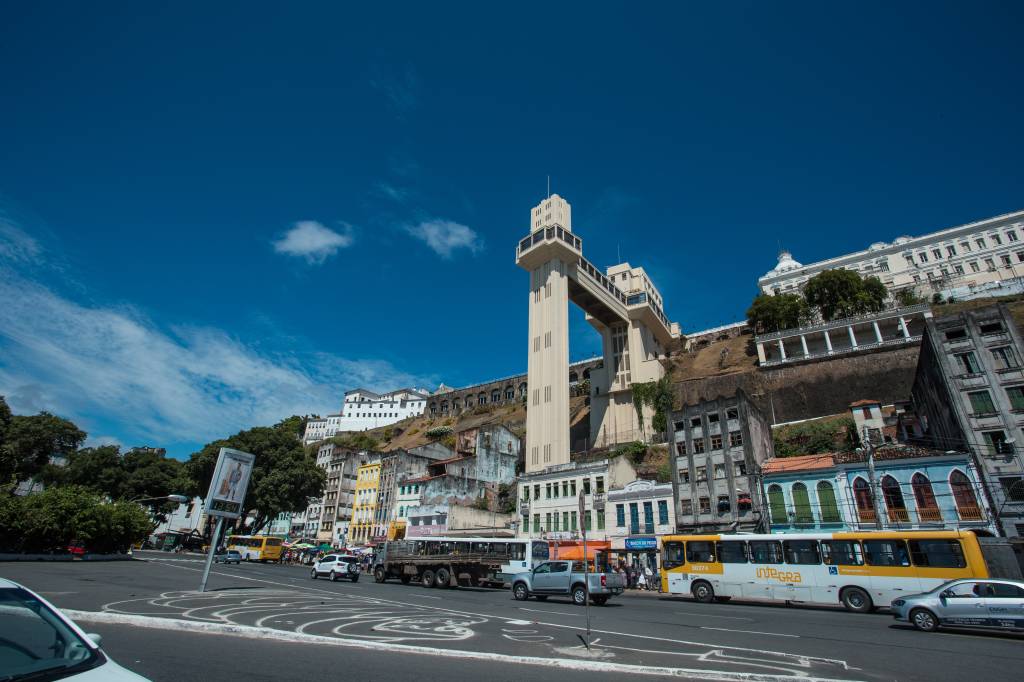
point(886, 552)
point(732, 552)
point(700, 552)
point(841, 553)
point(765, 552)
point(673, 555)
point(804, 552)
point(516, 551)
point(273, 542)
point(937, 553)
point(540, 551)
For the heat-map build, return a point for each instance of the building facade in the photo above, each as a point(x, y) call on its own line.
point(720, 446)
point(962, 257)
point(364, 507)
point(969, 394)
point(911, 488)
point(640, 514)
point(364, 409)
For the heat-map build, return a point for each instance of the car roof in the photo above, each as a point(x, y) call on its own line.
point(5, 583)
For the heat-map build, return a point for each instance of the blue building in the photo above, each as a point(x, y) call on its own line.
point(915, 489)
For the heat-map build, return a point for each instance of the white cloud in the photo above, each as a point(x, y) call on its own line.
point(311, 240)
point(445, 236)
point(186, 384)
point(399, 194)
point(15, 244)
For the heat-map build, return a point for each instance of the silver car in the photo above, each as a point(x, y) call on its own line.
point(965, 603)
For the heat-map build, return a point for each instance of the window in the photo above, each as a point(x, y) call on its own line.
point(968, 363)
point(1005, 358)
point(956, 334)
point(662, 512)
point(732, 413)
point(732, 552)
point(648, 517)
point(572, 520)
point(554, 486)
point(536, 492)
point(981, 402)
point(990, 328)
point(526, 492)
point(842, 553)
point(719, 470)
point(966, 246)
point(997, 239)
point(536, 523)
point(586, 486)
point(950, 251)
point(588, 520)
point(923, 257)
point(765, 552)
point(893, 496)
point(996, 443)
point(684, 475)
point(886, 553)
point(620, 515)
point(600, 520)
point(673, 555)
point(713, 418)
point(735, 439)
point(1013, 488)
point(739, 468)
point(974, 266)
point(705, 505)
point(937, 553)
point(555, 519)
point(1020, 256)
point(681, 448)
point(565, 488)
point(924, 496)
point(1016, 396)
point(701, 552)
point(827, 505)
point(802, 505)
point(600, 484)
point(695, 422)
point(1006, 260)
point(686, 507)
point(698, 445)
point(964, 497)
point(864, 499)
point(802, 552)
point(937, 253)
point(990, 264)
point(634, 518)
point(716, 443)
point(777, 504)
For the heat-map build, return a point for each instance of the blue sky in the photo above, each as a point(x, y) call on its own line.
point(213, 217)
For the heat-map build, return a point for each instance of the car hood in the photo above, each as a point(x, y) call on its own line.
point(108, 672)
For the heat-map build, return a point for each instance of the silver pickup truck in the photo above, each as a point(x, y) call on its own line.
point(566, 578)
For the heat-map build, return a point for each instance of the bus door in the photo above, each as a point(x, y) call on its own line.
point(673, 563)
point(803, 570)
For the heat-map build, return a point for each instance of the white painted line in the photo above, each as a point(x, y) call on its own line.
point(711, 615)
point(556, 613)
point(752, 632)
point(424, 596)
point(562, 663)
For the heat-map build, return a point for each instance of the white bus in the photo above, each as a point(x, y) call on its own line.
point(860, 570)
point(450, 561)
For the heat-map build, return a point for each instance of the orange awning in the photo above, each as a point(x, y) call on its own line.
point(572, 550)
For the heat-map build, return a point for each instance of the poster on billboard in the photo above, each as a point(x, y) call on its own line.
point(229, 484)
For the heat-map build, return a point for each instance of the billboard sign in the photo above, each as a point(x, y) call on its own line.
point(642, 543)
point(229, 483)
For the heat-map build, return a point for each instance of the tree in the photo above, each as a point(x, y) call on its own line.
point(770, 313)
point(28, 443)
point(842, 293)
point(284, 477)
point(907, 297)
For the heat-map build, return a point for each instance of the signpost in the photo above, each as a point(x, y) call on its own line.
point(226, 494)
point(586, 570)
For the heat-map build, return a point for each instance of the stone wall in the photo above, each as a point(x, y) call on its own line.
point(814, 389)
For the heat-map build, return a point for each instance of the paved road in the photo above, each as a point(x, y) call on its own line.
point(735, 640)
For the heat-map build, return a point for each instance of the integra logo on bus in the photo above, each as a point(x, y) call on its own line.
point(781, 576)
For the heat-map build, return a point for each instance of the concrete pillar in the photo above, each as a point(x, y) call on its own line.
point(803, 342)
point(903, 327)
point(828, 341)
point(878, 332)
point(547, 411)
point(853, 338)
point(760, 353)
point(782, 350)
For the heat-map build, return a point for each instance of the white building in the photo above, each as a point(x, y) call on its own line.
point(185, 518)
point(362, 410)
point(640, 513)
point(407, 498)
point(963, 257)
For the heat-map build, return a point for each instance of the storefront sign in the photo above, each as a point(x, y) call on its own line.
point(641, 543)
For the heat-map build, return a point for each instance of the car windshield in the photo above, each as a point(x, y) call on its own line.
point(944, 586)
point(34, 639)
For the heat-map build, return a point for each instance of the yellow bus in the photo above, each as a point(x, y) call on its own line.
point(860, 570)
point(256, 547)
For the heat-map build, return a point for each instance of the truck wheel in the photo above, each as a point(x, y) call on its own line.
point(703, 592)
point(443, 578)
point(427, 578)
point(520, 592)
point(856, 600)
point(579, 595)
point(378, 575)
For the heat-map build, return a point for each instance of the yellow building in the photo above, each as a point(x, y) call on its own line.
point(365, 503)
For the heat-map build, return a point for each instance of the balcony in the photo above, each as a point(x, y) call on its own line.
point(555, 233)
point(970, 513)
point(929, 514)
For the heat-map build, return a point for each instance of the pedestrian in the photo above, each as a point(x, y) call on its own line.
point(641, 580)
point(648, 577)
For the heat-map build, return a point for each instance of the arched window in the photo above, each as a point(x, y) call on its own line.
point(802, 505)
point(827, 503)
point(927, 507)
point(573, 377)
point(893, 496)
point(586, 374)
point(963, 494)
point(777, 504)
point(444, 407)
point(864, 499)
point(510, 393)
point(481, 399)
point(522, 390)
point(495, 396)
point(469, 401)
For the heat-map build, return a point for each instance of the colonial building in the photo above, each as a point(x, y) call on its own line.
point(969, 393)
point(361, 530)
point(458, 520)
point(963, 257)
point(911, 489)
point(641, 512)
point(484, 459)
point(720, 446)
point(364, 409)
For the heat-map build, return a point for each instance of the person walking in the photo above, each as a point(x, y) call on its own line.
point(641, 581)
point(648, 577)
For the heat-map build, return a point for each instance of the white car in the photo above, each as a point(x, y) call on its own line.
point(38, 642)
point(337, 566)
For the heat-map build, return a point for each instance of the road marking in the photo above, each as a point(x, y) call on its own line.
point(286, 636)
point(557, 613)
point(424, 596)
point(752, 632)
point(711, 615)
point(799, 657)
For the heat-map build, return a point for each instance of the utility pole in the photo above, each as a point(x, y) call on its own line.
point(871, 478)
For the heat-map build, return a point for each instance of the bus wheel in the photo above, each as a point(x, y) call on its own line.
point(427, 578)
point(924, 620)
point(378, 575)
point(443, 578)
point(703, 592)
point(856, 600)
